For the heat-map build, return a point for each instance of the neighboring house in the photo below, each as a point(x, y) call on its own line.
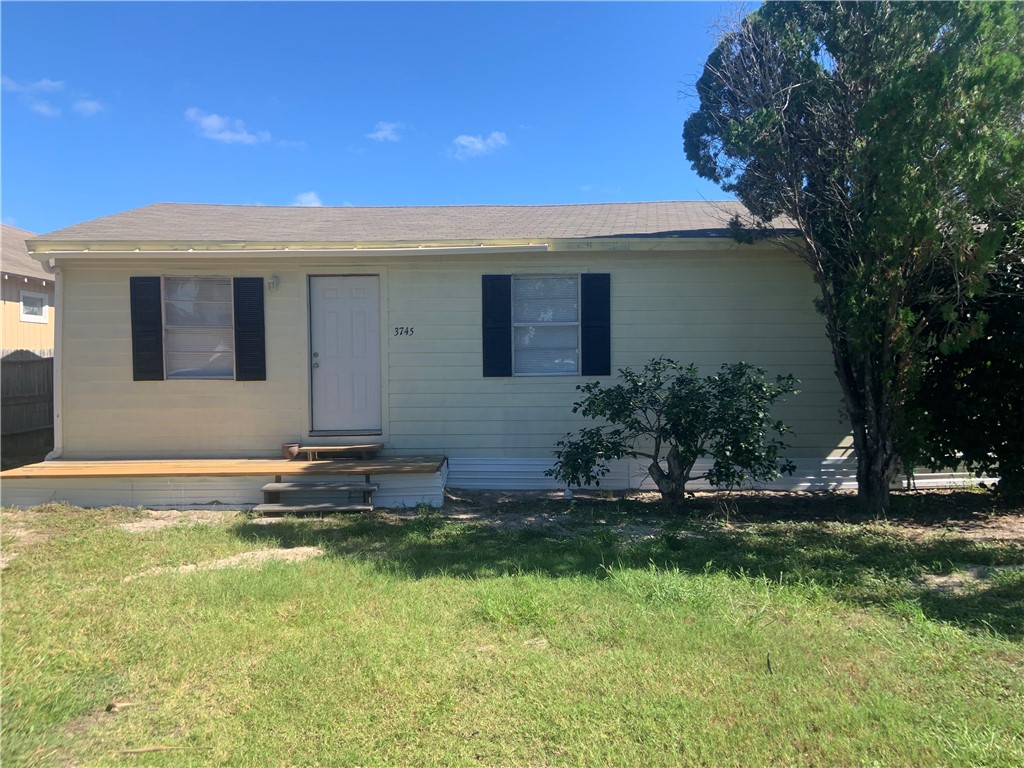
point(26, 368)
point(194, 331)
point(28, 317)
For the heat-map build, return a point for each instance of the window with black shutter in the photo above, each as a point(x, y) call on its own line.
point(198, 328)
point(546, 325)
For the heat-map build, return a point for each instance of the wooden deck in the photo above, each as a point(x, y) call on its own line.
point(224, 467)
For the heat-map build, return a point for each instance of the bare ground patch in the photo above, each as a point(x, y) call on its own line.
point(966, 577)
point(18, 538)
point(156, 519)
point(253, 559)
point(639, 514)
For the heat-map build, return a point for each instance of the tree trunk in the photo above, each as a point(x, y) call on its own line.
point(877, 467)
point(672, 484)
point(871, 412)
point(873, 421)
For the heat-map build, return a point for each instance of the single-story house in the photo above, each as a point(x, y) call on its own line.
point(28, 317)
point(205, 331)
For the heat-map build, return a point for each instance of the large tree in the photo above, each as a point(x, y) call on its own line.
point(884, 144)
point(969, 407)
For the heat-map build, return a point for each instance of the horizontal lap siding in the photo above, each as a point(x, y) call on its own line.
point(17, 333)
point(705, 308)
point(701, 307)
point(107, 414)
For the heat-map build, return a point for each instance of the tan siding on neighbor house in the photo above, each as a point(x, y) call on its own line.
point(19, 334)
point(703, 304)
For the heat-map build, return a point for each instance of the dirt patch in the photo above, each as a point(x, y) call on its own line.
point(638, 515)
point(253, 559)
point(156, 519)
point(1005, 527)
point(23, 538)
point(964, 578)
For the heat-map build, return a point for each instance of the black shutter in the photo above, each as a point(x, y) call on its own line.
point(250, 330)
point(497, 325)
point(596, 325)
point(147, 329)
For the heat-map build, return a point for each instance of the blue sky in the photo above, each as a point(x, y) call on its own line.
point(110, 106)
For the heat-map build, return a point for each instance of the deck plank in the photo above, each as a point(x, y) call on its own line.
point(396, 465)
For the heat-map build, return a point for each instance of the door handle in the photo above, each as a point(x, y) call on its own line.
point(316, 365)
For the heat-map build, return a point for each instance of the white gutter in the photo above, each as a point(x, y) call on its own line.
point(242, 253)
point(58, 390)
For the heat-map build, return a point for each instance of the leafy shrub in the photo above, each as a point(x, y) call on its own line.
point(670, 414)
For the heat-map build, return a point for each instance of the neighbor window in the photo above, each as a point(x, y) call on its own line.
point(33, 307)
point(545, 325)
point(199, 335)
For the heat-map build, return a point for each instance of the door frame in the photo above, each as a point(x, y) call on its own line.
point(381, 274)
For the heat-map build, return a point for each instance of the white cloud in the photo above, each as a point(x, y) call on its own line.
point(307, 200)
point(224, 129)
point(45, 108)
point(87, 107)
point(39, 85)
point(383, 131)
point(30, 93)
point(464, 147)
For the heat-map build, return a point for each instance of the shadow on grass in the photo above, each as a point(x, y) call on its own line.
point(863, 564)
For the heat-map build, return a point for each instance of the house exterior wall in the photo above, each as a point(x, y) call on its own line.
point(705, 302)
point(21, 335)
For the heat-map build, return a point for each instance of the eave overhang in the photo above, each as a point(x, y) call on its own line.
point(57, 251)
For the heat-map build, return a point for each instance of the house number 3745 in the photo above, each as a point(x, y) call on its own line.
point(404, 330)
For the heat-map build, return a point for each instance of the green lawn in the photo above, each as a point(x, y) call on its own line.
point(431, 642)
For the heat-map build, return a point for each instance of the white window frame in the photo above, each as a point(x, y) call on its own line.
point(578, 324)
point(44, 318)
point(165, 326)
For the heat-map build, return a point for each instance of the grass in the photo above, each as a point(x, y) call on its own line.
point(430, 642)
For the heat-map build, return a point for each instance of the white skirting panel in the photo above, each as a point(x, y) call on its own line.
point(149, 492)
point(201, 492)
point(411, 490)
point(629, 474)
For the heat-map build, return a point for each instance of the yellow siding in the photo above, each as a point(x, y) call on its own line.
point(701, 306)
point(17, 333)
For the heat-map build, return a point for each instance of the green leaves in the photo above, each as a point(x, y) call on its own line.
point(892, 134)
point(670, 414)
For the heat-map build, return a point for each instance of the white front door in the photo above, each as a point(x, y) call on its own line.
point(345, 353)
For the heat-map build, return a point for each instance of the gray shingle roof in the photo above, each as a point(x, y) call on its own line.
point(184, 222)
point(14, 255)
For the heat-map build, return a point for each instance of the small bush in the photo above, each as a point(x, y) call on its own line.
point(670, 414)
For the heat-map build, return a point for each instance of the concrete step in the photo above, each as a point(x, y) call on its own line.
point(274, 510)
point(319, 486)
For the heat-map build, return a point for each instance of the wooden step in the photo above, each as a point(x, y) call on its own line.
point(360, 451)
point(320, 486)
point(274, 510)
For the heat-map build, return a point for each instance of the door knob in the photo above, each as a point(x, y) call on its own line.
point(316, 365)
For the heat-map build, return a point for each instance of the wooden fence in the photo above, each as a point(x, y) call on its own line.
point(26, 410)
